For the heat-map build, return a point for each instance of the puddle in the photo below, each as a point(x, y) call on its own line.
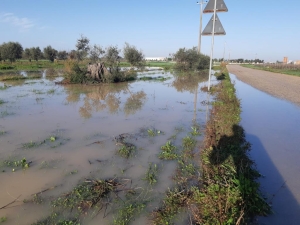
point(69, 133)
point(272, 127)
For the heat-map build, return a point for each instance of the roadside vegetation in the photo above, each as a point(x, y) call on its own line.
point(226, 191)
point(230, 192)
point(288, 69)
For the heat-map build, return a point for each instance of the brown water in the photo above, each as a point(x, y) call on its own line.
point(272, 127)
point(78, 116)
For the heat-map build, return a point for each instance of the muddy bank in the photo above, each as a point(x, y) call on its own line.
point(279, 85)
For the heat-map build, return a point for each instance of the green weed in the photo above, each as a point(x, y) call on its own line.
point(151, 174)
point(57, 219)
point(38, 92)
point(127, 213)
point(85, 196)
point(126, 150)
point(195, 131)
point(6, 113)
point(3, 219)
point(51, 91)
point(174, 201)
point(168, 151)
point(23, 163)
point(154, 132)
point(33, 144)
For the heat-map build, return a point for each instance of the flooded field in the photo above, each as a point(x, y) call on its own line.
point(54, 137)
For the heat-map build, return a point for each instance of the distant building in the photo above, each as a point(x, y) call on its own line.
point(285, 60)
point(155, 58)
point(297, 62)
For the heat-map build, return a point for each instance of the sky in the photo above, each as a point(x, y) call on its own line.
point(267, 29)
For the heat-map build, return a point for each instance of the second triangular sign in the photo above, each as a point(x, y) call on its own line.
point(219, 30)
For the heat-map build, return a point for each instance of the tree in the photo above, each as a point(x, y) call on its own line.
point(82, 47)
point(112, 58)
point(62, 55)
point(36, 53)
point(95, 52)
point(50, 53)
point(190, 59)
point(72, 54)
point(133, 56)
point(26, 54)
point(11, 51)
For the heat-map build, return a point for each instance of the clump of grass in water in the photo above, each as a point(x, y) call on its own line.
point(195, 131)
point(57, 219)
point(33, 144)
point(188, 145)
point(2, 132)
point(3, 219)
point(127, 213)
point(168, 151)
point(151, 174)
point(51, 91)
point(174, 201)
point(23, 163)
point(85, 196)
point(126, 150)
point(154, 132)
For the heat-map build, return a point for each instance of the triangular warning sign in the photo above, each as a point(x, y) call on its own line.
point(221, 6)
point(219, 30)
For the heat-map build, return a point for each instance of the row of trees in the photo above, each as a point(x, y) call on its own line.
point(12, 51)
point(240, 60)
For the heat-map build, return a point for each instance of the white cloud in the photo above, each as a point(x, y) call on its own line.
point(23, 23)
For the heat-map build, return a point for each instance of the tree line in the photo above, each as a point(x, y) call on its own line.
point(12, 51)
point(240, 60)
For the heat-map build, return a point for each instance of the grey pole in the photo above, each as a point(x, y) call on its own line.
point(224, 52)
point(212, 44)
point(200, 29)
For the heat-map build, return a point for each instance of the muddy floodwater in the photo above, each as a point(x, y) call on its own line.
point(272, 127)
point(67, 134)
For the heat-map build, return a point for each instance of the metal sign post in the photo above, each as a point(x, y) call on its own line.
point(200, 29)
point(210, 29)
point(212, 44)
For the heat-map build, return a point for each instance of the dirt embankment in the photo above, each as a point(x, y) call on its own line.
point(279, 85)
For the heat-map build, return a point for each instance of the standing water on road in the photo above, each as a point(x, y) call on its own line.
point(53, 137)
point(272, 127)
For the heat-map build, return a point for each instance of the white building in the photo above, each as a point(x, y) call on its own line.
point(155, 58)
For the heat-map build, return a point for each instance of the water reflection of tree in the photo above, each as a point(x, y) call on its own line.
point(105, 96)
point(134, 102)
point(190, 82)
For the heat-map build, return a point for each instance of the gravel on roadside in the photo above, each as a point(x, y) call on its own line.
point(279, 85)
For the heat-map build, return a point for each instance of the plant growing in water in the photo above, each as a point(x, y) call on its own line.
point(151, 174)
point(126, 150)
point(168, 151)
